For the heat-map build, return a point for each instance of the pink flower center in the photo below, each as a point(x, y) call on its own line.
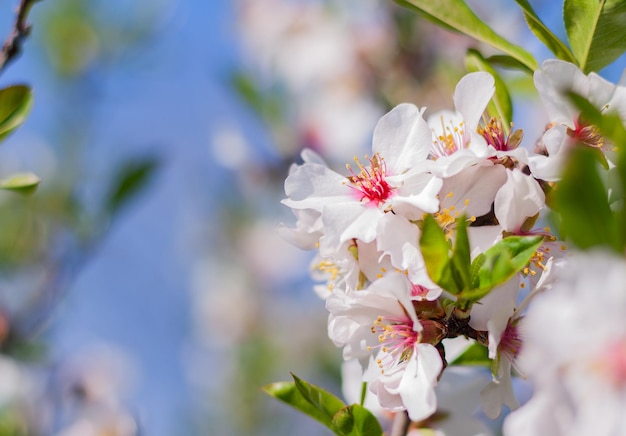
point(495, 136)
point(586, 134)
point(397, 339)
point(370, 184)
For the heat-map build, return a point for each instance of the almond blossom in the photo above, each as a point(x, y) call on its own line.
point(576, 356)
point(554, 81)
point(380, 326)
point(396, 179)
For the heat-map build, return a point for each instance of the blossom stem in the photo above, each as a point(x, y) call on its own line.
point(401, 424)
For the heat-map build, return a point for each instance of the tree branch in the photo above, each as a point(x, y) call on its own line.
point(21, 29)
point(401, 423)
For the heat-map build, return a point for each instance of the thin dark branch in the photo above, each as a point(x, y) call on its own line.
point(21, 29)
point(401, 423)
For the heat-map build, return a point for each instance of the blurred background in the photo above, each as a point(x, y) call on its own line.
point(143, 287)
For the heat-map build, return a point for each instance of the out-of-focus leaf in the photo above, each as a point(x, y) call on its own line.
point(596, 30)
point(582, 201)
point(497, 265)
point(15, 104)
point(545, 35)
point(267, 105)
point(500, 106)
point(475, 354)
point(356, 420)
point(24, 183)
point(129, 181)
point(583, 184)
point(456, 15)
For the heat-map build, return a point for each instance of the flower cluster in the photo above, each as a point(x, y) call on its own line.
point(393, 305)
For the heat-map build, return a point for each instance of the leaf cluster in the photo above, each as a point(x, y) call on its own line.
point(319, 404)
point(470, 280)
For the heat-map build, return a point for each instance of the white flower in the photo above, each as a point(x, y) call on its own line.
point(395, 180)
point(575, 352)
point(382, 320)
point(456, 143)
point(553, 81)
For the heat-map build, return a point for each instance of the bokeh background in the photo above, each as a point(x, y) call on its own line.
point(144, 288)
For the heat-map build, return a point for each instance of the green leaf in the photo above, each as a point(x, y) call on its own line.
point(497, 265)
point(508, 62)
point(582, 201)
point(500, 106)
point(596, 30)
point(130, 179)
point(475, 354)
point(24, 183)
point(455, 14)
point(15, 104)
point(356, 420)
point(461, 259)
point(318, 397)
point(435, 250)
point(545, 35)
point(287, 392)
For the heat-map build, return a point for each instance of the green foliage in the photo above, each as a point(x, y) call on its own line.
point(544, 34)
point(497, 265)
point(500, 106)
point(130, 180)
point(585, 215)
point(596, 30)
point(356, 420)
point(15, 104)
point(24, 183)
point(581, 199)
point(476, 354)
point(435, 250)
point(456, 15)
point(469, 280)
point(324, 407)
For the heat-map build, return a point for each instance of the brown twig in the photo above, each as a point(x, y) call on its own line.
point(400, 425)
point(21, 29)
